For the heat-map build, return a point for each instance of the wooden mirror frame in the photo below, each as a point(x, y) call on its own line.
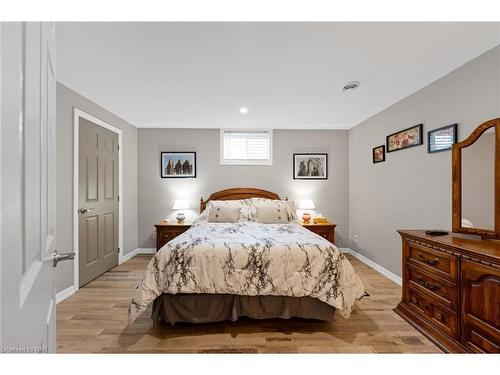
point(457, 182)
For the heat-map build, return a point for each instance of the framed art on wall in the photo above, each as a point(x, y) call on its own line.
point(441, 139)
point(310, 166)
point(405, 138)
point(378, 154)
point(178, 164)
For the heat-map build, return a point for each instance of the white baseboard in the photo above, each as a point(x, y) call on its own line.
point(384, 271)
point(63, 294)
point(138, 251)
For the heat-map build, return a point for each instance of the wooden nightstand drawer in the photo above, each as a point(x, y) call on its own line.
point(325, 230)
point(166, 232)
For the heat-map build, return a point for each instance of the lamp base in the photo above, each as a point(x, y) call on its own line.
point(180, 217)
point(306, 217)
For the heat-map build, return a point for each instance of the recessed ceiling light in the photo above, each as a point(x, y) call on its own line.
point(351, 86)
point(243, 110)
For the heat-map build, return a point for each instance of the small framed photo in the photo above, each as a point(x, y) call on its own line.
point(178, 164)
point(405, 138)
point(441, 139)
point(311, 166)
point(379, 154)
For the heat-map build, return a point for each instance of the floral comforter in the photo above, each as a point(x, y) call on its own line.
point(250, 259)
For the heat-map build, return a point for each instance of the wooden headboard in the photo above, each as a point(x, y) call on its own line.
point(237, 193)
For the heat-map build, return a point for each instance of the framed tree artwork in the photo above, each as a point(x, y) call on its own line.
point(310, 166)
point(178, 164)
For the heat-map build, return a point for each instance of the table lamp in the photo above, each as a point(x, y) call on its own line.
point(180, 204)
point(306, 204)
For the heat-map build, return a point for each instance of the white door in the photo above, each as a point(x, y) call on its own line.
point(27, 189)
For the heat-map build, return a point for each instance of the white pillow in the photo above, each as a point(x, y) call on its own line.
point(242, 204)
point(270, 214)
point(289, 206)
point(224, 214)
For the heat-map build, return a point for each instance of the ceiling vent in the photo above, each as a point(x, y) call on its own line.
point(351, 86)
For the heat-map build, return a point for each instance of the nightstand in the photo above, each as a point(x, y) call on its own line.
point(325, 230)
point(167, 231)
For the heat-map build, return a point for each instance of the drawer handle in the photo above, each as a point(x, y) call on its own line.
point(414, 299)
point(430, 286)
point(432, 262)
point(440, 317)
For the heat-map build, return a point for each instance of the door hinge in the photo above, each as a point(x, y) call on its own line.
point(118, 146)
point(118, 198)
point(118, 250)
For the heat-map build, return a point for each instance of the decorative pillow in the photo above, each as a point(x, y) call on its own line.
point(268, 214)
point(288, 206)
point(242, 204)
point(224, 214)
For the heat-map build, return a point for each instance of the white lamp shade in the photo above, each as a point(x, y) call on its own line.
point(180, 204)
point(306, 204)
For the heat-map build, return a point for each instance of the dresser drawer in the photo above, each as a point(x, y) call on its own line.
point(437, 262)
point(441, 317)
point(438, 288)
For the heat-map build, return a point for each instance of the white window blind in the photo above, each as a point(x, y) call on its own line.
point(246, 147)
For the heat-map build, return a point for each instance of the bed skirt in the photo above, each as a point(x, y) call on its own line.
point(205, 308)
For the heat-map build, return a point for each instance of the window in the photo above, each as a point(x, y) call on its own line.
point(246, 147)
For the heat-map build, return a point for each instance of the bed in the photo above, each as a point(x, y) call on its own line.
point(219, 271)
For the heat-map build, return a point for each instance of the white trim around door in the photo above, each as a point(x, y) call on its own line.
point(77, 114)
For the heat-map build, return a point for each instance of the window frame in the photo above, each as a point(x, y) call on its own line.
point(223, 161)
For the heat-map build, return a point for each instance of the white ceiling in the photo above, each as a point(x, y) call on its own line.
point(288, 75)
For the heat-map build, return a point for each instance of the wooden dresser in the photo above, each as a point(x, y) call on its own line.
point(451, 290)
point(167, 231)
point(325, 230)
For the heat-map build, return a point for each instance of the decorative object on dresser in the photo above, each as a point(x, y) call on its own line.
point(441, 139)
point(310, 166)
point(325, 230)
point(451, 283)
point(378, 154)
point(180, 204)
point(306, 204)
point(405, 138)
point(167, 231)
point(178, 164)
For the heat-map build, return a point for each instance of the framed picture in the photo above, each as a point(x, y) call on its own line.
point(178, 164)
point(441, 139)
point(310, 166)
point(405, 138)
point(379, 154)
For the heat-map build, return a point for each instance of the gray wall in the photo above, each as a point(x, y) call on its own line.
point(66, 100)
point(156, 195)
point(412, 189)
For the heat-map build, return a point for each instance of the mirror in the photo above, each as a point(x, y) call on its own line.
point(476, 185)
point(478, 182)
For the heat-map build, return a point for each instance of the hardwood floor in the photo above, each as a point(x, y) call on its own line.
point(94, 320)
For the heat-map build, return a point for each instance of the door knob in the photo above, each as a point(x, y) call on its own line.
point(60, 257)
point(85, 210)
